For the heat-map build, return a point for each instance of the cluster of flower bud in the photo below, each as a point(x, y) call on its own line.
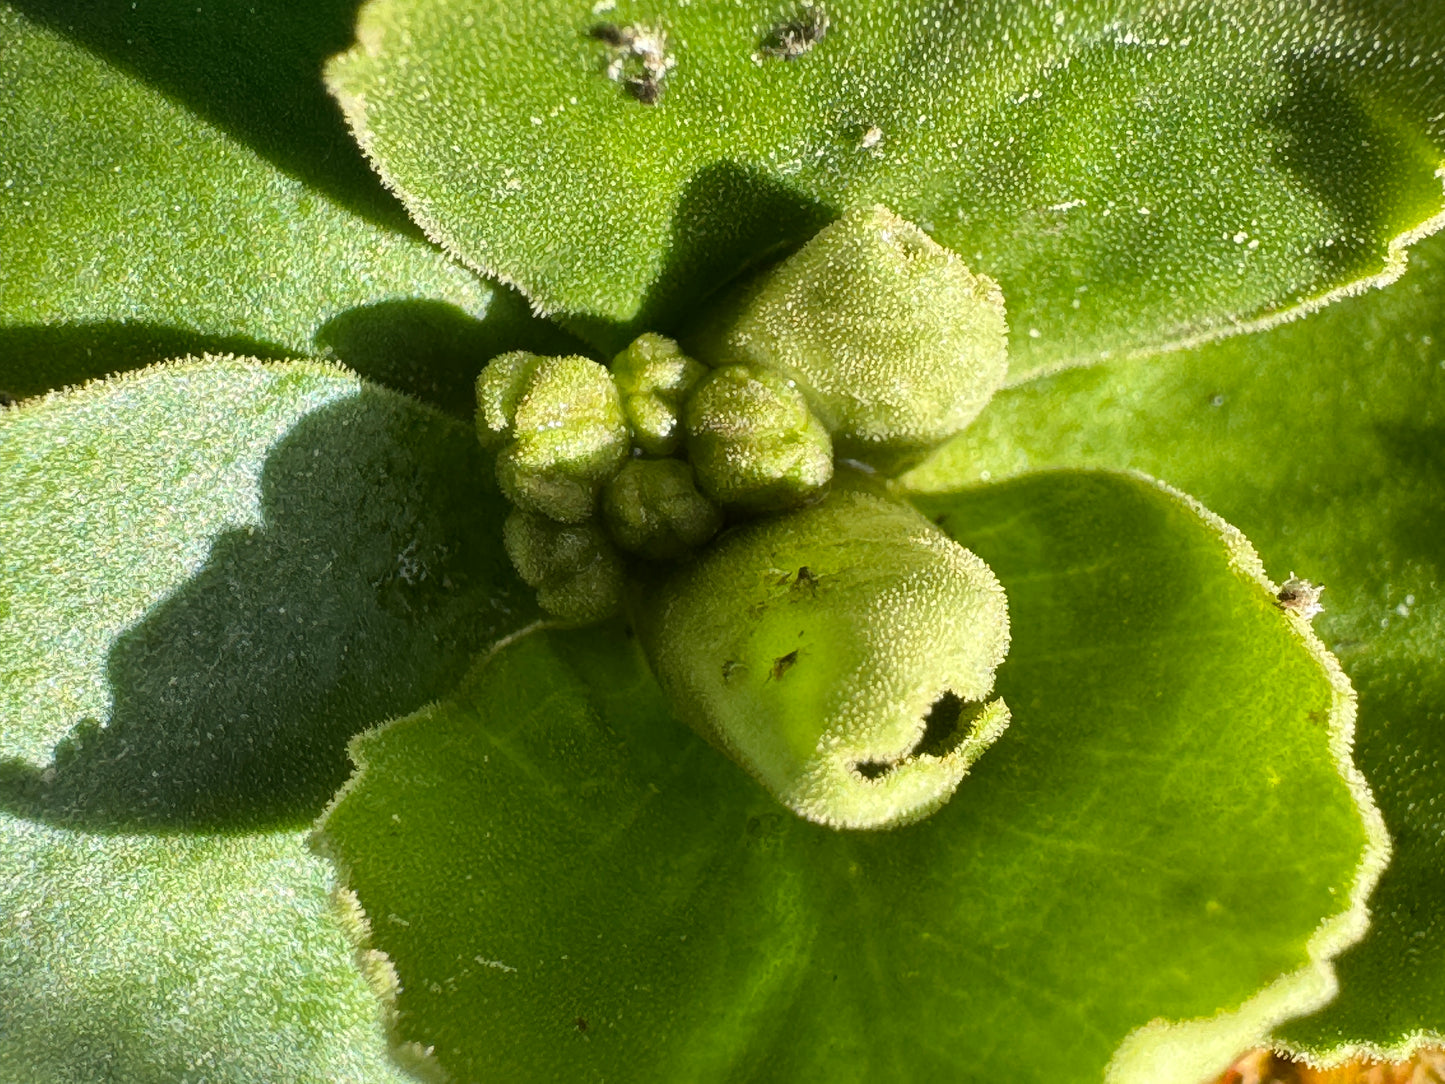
point(834, 642)
point(871, 341)
point(646, 458)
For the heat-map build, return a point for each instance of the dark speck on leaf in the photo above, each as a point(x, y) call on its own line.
point(581, 1023)
point(609, 33)
point(795, 37)
point(1300, 597)
point(639, 58)
point(645, 90)
point(783, 664)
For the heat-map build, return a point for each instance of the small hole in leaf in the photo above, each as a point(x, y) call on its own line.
point(948, 724)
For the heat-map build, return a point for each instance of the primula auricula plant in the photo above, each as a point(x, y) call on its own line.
point(870, 340)
point(339, 743)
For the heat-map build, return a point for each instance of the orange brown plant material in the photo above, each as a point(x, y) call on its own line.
point(1267, 1067)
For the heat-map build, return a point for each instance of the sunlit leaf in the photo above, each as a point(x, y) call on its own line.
point(1131, 173)
point(1323, 441)
point(134, 229)
point(569, 885)
point(212, 574)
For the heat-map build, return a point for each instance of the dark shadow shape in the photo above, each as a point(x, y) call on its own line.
point(948, 723)
point(37, 359)
point(377, 574)
point(1329, 140)
point(1418, 452)
point(434, 350)
point(730, 221)
point(251, 67)
point(428, 349)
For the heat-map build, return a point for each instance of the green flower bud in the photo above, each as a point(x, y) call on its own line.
point(499, 387)
point(840, 653)
point(654, 378)
point(753, 441)
point(895, 342)
point(561, 429)
point(652, 507)
point(577, 573)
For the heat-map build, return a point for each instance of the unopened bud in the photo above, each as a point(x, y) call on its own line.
point(753, 441)
point(896, 344)
point(576, 572)
point(652, 507)
point(560, 426)
point(654, 378)
point(842, 653)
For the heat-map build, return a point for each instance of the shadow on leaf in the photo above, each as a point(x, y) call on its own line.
point(428, 349)
point(1339, 150)
point(377, 574)
point(252, 67)
point(730, 220)
point(434, 350)
point(37, 359)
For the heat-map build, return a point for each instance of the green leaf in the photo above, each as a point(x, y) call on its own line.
point(149, 232)
point(1323, 440)
point(1131, 173)
point(212, 574)
point(569, 886)
point(149, 958)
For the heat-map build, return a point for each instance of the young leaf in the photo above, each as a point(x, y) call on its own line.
point(842, 653)
point(1323, 440)
point(569, 885)
point(1131, 174)
point(214, 573)
point(896, 344)
point(136, 230)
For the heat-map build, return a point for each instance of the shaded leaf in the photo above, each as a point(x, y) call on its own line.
point(149, 233)
point(569, 885)
point(1131, 173)
point(1323, 440)
point(212, 574)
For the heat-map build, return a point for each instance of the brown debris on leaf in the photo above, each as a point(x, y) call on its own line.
point(1267, 1067)
point(640, 60)
point(1301, 597)
point(795, 37)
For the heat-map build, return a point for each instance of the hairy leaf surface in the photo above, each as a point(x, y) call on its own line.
point(135, 229)
point(1323, 440)
point(212, 574)
point(569, 885)
point(1132, 173)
